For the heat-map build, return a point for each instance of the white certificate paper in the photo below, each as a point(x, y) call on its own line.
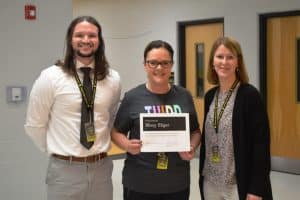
point(165, 132)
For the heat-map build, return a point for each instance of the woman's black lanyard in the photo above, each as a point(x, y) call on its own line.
point(80, 86)
point(216, 117)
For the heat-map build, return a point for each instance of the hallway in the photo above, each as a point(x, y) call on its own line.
point(285, 186)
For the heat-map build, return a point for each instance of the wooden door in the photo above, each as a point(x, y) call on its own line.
point(282, 102)
point(115, 150)
point(198, 43)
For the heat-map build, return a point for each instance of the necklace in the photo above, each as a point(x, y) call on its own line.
point(216, 117)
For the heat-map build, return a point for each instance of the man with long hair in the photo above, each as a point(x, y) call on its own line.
point(70, 114)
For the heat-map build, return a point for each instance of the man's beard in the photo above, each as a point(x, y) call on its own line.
point(78, 53)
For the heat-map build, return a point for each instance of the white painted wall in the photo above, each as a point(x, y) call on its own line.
point(26, 48)
point(128, 25)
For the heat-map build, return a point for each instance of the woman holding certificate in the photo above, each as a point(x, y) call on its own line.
point(155, 175)
point(235, 150)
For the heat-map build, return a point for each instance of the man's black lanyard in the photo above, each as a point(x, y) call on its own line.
point(80, 86)
point(216, 117)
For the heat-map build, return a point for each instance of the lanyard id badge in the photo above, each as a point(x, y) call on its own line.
point(162, 161)
point(90, 129)
point(215, 157)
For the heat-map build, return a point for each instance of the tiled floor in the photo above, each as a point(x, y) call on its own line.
point(285, 186)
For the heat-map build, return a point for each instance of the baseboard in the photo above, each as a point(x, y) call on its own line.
point(286, 165)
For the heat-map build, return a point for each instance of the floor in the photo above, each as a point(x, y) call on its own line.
point(285, 186)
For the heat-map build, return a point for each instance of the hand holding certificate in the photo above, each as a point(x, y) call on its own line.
point(165, 132)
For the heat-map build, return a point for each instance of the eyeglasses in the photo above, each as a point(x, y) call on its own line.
point(163, 64)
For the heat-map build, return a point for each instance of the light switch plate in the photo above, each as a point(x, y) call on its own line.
point(16, 94)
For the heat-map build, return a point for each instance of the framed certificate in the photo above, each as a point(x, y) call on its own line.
point(165, 132)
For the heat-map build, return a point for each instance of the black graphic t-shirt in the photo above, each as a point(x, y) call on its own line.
point(140, 173)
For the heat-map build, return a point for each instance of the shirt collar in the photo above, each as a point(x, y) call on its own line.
point(80, 64)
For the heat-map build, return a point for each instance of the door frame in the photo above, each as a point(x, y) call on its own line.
point(263, 18)
point(277, 163)
point(181, 44)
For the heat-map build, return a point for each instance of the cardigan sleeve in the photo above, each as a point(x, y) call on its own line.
point(259, 131)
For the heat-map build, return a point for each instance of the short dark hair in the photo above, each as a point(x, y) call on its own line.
point(101, 64)
point(155, 44)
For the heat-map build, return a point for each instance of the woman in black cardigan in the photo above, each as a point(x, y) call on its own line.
point(235, 150)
